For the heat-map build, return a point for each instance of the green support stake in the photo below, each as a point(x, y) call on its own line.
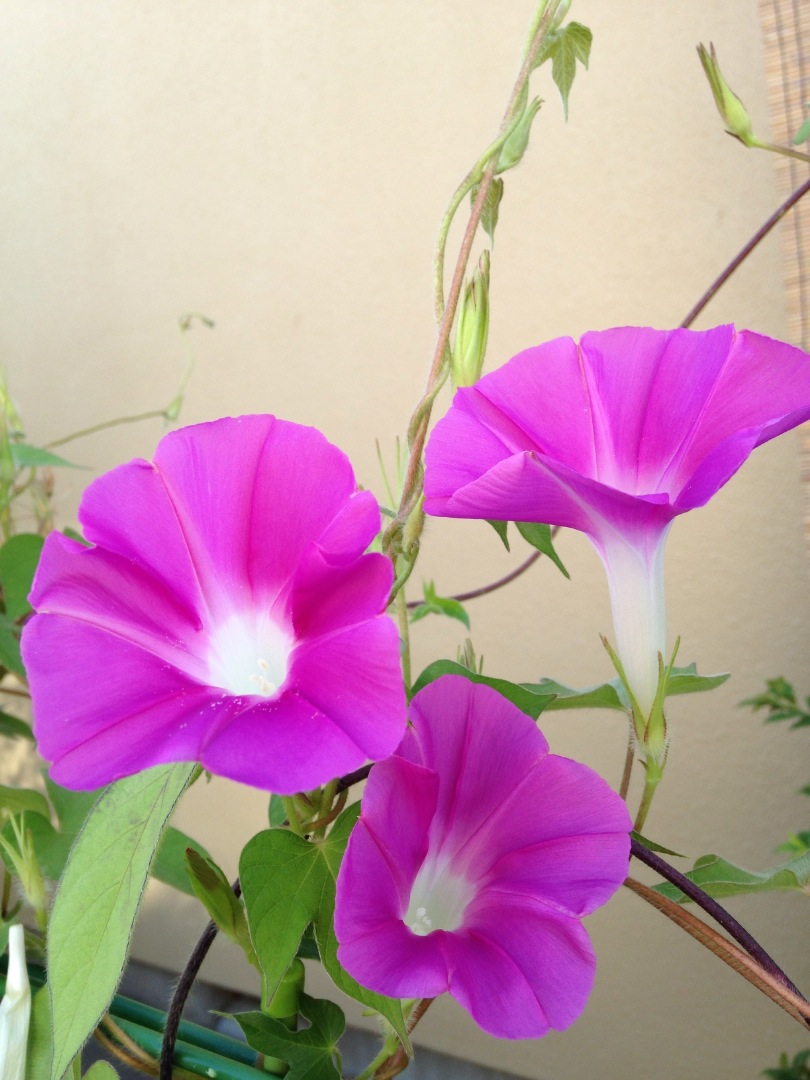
point(284, 1008)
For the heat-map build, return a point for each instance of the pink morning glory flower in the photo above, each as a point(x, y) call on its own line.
point(474, 859)
point(615, 436)
point(226, 613)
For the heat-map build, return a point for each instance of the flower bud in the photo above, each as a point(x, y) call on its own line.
point(734, 113)
point(472, 328)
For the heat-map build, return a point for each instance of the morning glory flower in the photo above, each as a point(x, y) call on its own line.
point(474, 859)
point(226, 613)
point(615, 436)
point(15, 1009)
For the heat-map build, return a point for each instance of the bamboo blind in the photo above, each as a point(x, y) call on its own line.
point(786, 33)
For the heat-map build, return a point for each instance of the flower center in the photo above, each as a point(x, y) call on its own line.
point(438, 899)
point(249, 655)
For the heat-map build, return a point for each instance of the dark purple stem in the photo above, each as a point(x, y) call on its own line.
point(712, 908)
point(352, 778)
point(473, 594)
point(743, 254)
point(174, 1013)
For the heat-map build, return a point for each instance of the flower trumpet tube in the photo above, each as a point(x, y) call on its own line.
point(476, 855)
point(15, 1009)
point(226, 613)
point(616, 435)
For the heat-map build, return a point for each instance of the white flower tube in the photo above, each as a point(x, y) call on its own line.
point(15, 1009)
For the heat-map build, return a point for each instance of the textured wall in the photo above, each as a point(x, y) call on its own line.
point(282, 167)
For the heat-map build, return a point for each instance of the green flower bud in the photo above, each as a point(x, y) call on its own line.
point(472, 328)
point(24, 861)
point(735, 115)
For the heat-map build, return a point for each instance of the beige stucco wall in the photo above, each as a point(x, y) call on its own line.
point(282, 167)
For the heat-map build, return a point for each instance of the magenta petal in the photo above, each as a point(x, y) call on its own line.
point(112, 593)
point(570, 803)
point(354, 677)
point(402, 797)
point(328, 597)
point(226, 614)
point(529, 970)
point(392, 961)
point(112, 512)
point(615, 437)
point(437, 888)
point(98, 727)
point(573, 874)
point(252, 493)
point(663, 418)
point(763, 388)
point(373, 887)
point(479, 766)
point(286, 745)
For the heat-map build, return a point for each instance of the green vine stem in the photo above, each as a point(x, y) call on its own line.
point(717, 912)
point(785, 151)
point(174, 1013)
point(398, 1061)
point(412, 487)
point(793, 1004)
point(744, 252)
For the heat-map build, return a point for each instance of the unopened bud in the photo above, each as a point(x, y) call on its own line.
point(734, 113)
point(472, 329)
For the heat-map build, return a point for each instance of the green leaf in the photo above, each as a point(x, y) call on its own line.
point(10, 646)
point(98, 899)
point(19, 557)
point(609, 695)
point(276, 814)
point(214, 892)
point(780, 700)
point(310, 1053)
point(34, 457)
point(74, 534)
point(803, 134)
point(72, 807)
point(11, 727)
point(439, 605)
point(527, 698)
point(720, 878)
point(170, 861)
point(22, 800)
point(612, 695)
point(685, 680)
point(101, 1070)
point(282, 878)
point(333, 848)
point(796, 844)
point(500, 528)
point(288, 883)
point(573, 44)
point(52, 846)
point(651, 844)
point(518, 141)
point(492, 203)
point(539, 536)
point(40, 1043)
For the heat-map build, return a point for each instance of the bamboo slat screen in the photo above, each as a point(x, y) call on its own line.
point(786, 34)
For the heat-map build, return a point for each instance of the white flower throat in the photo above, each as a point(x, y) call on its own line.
point(249, 656)
point(439, 898)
